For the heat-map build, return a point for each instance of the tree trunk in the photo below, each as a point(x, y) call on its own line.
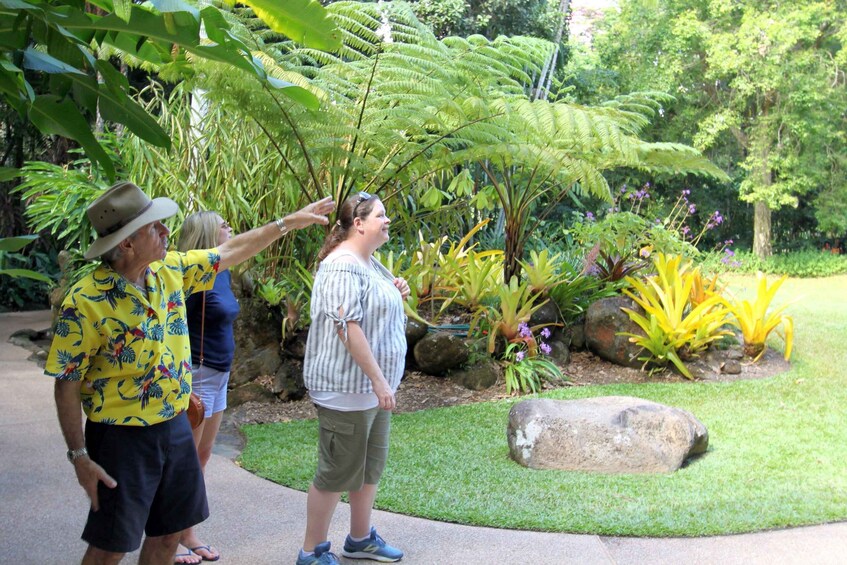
point(546, 78)
point(762, 246)
point(762, 230)
point(513, 251)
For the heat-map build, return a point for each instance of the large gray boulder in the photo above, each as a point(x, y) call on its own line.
point(611, 434)
point(415, 331)
point(257, 339)
point(288, 382)
point(439, 352)
point(477, 377)
point(603, 322)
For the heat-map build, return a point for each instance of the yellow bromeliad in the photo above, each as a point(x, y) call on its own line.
point(674, 327)
point(756, 323)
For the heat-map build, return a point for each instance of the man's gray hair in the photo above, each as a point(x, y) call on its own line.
point(114, 254)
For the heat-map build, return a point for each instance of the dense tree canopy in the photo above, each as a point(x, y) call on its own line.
point(760, 85)
point(538, 18)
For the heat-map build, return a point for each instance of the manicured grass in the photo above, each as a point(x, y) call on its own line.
point(777, 451)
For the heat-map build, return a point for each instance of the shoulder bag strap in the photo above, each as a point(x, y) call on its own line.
point(202, 327)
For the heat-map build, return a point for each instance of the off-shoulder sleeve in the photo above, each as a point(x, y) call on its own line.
point(340, 297)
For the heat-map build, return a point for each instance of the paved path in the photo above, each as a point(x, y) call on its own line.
point(254, 521)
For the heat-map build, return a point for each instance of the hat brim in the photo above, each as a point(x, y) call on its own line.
point(160, 209)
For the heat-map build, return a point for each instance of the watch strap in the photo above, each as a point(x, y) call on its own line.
point(74, 454)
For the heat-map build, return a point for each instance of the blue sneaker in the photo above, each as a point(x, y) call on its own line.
point(322, 556)
point(374, 547)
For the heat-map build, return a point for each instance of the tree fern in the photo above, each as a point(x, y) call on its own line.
point(399, 106)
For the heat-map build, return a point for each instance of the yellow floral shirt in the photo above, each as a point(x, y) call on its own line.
point(132, 353)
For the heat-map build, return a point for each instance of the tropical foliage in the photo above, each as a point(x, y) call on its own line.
point(756, 320)
point(517, 304)
point(401, 107)
point(61, 39)
point(417, 120)
point(9, 246)
point(760, 87)
point(674, 327)
point(526, 372)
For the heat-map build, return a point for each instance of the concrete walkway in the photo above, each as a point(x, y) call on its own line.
point(254, 521)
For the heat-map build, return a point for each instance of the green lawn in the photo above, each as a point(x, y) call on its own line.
point(777, 451)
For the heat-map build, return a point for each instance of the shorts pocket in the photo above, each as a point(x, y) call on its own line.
point(335, 436)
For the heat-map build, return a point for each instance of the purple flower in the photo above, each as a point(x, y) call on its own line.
point(717, 218)
point(589, 216)
point(685, 230)
point(692, 209)
point(658, 222)
point(519, 356)
point(728, 242)
point(524, 330)
point(545, 333)
point(729, 252)
point(545, 349)
point(686, 192)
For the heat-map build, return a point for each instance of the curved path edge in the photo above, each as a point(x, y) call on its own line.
point(255, 521)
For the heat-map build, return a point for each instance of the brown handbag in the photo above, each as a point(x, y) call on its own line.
point(196, 408)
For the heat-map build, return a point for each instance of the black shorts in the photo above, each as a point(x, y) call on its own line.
point(160, 487)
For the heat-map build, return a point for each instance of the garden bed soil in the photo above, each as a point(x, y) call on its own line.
point(419, 391)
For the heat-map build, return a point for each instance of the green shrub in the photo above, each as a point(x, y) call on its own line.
point(801, 264)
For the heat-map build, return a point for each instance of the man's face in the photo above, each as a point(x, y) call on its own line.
point(150, 242)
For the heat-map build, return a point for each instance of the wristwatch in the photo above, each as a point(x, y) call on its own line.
point(74, 454)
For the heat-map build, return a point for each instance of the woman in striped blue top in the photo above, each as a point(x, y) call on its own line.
point(354, 362)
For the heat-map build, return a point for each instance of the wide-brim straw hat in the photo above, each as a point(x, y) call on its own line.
point(120, 211)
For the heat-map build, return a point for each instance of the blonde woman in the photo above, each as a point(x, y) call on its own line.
point(206, 230)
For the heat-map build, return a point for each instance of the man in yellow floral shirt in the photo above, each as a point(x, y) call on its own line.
point(121, 355)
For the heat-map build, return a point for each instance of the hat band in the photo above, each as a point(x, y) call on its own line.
point(123, 223)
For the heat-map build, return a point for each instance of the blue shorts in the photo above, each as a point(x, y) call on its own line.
point(160, 487)
point(210, 384)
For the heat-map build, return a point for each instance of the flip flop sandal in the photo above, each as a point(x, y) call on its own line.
point(207, 549)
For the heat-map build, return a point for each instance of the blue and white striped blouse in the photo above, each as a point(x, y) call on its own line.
point(345, 292)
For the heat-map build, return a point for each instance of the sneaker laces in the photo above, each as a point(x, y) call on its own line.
point(378, 540)
point(328, 554)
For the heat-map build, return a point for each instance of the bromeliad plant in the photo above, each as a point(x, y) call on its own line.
point(525, 365)
point(459, 275)
point(674, 328)
point(756, 323)
point(293, 289)
point(474, 282)
point(579, 288)
point(542, 272)
point(517, 305)
point(614, 267)
point(702, 288)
